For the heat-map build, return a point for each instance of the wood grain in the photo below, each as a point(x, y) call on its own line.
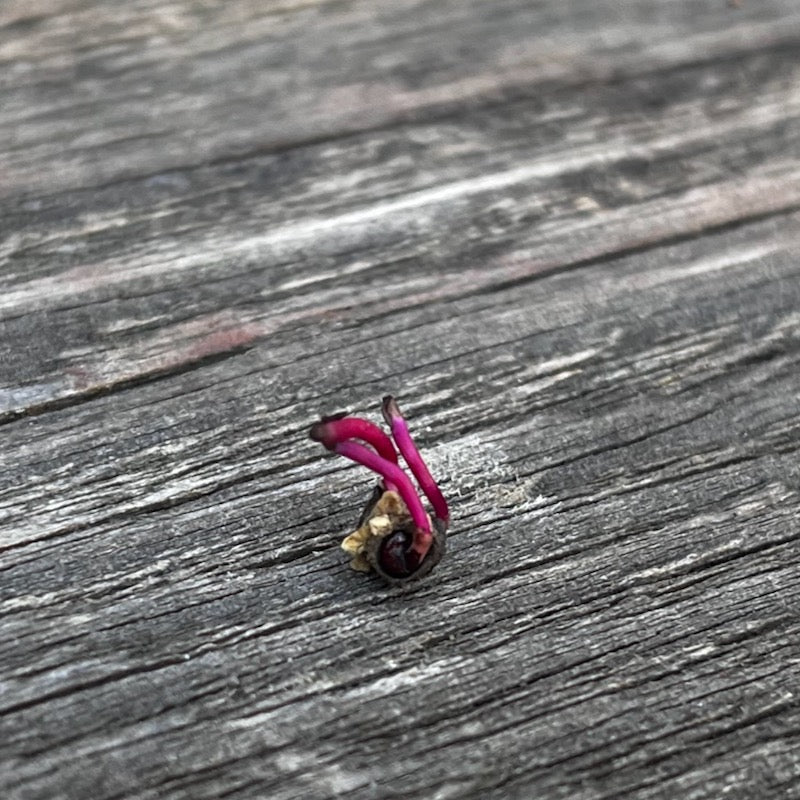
point(565, 235)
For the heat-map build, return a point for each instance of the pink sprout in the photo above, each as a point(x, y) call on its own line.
point(337, 434)
point(395, 419)
point(331, 432)
point(391, 472)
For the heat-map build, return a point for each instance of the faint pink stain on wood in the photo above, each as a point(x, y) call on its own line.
point(223, 341)
point(171, 349)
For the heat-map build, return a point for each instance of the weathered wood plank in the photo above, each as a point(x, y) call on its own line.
point(266, 241)
point(152, 87)
point(580, 274)
point(622, 562)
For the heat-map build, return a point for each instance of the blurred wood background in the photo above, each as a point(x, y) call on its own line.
point(565, 234)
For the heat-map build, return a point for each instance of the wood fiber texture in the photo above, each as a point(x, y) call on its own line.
point(566, 235)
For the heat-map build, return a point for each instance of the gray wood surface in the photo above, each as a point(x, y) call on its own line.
point(566, 235)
